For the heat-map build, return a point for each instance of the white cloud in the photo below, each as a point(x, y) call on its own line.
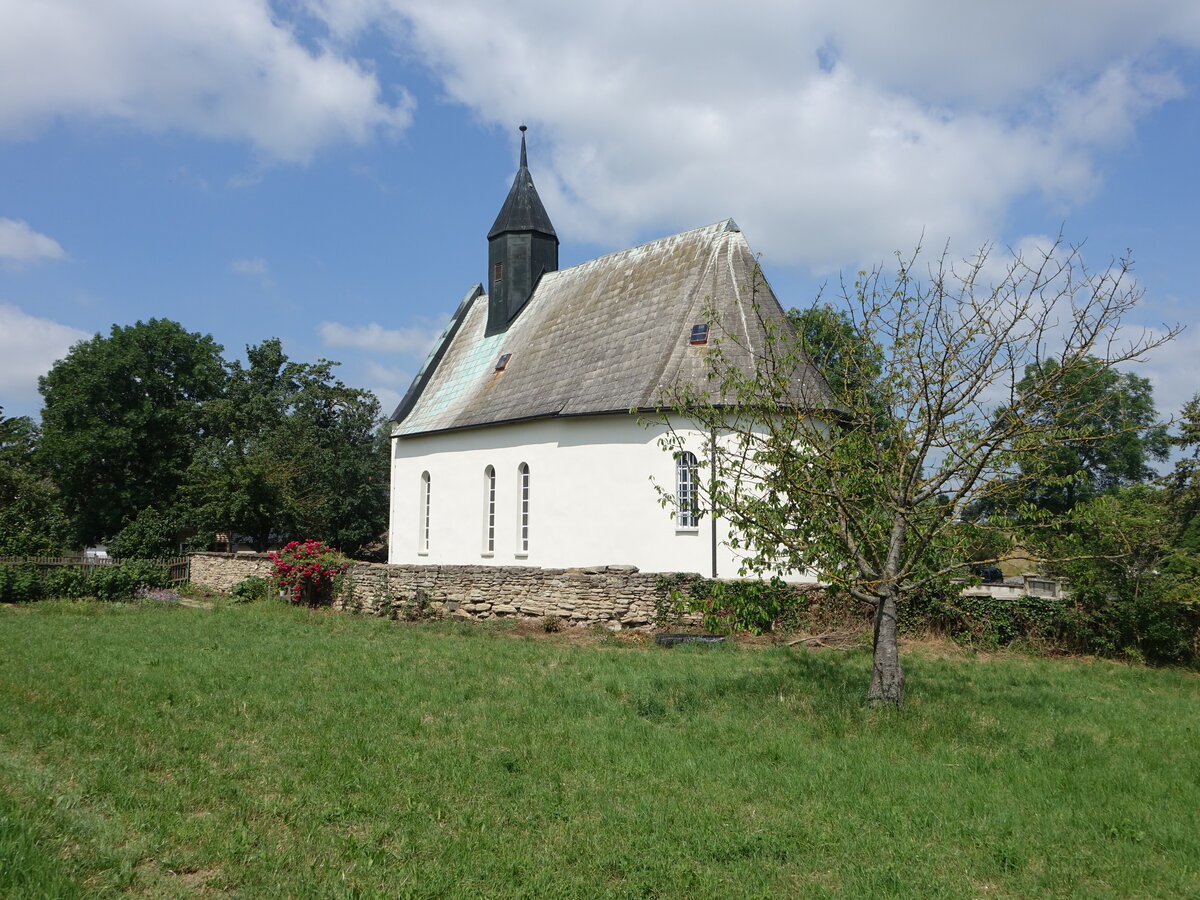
point(256, 267)
point(1171, 369)
point(378, 374)
point(253, 268)
point(388, 384)
point(29, 346)
point(374, 338)
point(833, 132)
point(222, 69)
point(20, 243)
point(388, 399)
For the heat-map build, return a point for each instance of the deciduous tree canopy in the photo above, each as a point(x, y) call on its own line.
point(291, 451)
point(123, 415)
point(151, 435)
point(1102, 432)
point(32, 522)
point(867, 484)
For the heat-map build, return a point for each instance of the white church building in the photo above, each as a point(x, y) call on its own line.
point(523, 439)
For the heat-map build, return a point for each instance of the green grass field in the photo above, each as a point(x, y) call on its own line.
point(265, 751)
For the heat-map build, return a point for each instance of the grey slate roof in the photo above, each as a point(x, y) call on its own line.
point(604, 336)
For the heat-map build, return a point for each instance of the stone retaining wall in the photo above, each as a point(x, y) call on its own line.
point(616, 597)
point(221, 571)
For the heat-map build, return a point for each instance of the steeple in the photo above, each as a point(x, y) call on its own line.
point(521, 246)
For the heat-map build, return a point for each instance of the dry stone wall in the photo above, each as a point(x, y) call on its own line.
point(613, 596)
point(221, 571)
point(616, 597)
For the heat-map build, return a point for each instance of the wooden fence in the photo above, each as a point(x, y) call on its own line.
point(178, 566)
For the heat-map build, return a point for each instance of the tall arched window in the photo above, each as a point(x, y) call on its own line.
point(489, 511)
point(523, 523)
point(687, 499)
point(423, 521)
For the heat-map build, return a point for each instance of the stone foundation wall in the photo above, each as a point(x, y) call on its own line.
point(613, 596)
point(616, 597)
point(221, 571)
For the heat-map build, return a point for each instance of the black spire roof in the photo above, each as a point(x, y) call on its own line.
point(523, 210)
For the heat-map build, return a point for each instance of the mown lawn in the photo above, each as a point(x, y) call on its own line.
point(264, 751)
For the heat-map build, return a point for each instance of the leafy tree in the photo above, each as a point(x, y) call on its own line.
point(1106, 430)
point(850, 361)
point(294, 452)
point(871, 503)
point(1183, 484)
point(154, 534)
point(123, 415)
point(1116, 551)
point(32, 522)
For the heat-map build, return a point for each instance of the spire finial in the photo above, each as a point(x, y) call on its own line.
point(524, 161)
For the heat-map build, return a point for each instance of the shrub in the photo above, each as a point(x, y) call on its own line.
point(308, 571)
point(25, 583)
point(728, 606)
point(145, 573)
point(110, 583)
point(67, 582)
point(1150, 627)
point(992, 621)
point(251, 589)
point(1147, 628)
point(19, 584)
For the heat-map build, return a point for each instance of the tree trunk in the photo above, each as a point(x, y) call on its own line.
point(887, 678)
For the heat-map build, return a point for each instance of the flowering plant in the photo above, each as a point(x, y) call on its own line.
point(307, 570)
point(159, 595)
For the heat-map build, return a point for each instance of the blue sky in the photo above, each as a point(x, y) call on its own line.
point(326, 171)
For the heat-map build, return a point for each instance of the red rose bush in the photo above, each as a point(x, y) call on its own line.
point(308, 570)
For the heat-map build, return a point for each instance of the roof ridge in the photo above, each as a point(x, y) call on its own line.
point(725, 222)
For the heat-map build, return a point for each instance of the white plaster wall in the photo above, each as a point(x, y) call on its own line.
point(591, 498)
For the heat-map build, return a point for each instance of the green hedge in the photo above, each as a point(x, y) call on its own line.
point(27, 583)
point(754, 606)
point(1152, 629)
point(1148, 628)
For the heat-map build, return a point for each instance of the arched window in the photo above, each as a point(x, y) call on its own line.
point(523, 523)
point(489, 511)
point(687, 499)
point(423, 521)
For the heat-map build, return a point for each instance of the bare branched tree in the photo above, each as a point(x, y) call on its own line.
point(865, 479)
